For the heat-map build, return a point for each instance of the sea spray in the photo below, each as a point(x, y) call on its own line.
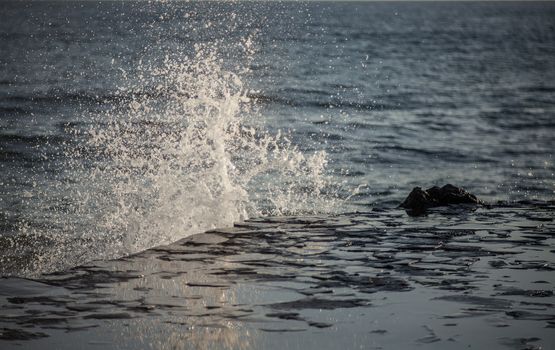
point(192, 160)
point(181, 153)
point(164, 164)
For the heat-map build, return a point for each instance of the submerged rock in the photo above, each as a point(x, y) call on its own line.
point(419, 200)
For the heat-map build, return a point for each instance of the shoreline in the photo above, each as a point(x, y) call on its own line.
point(378, 279)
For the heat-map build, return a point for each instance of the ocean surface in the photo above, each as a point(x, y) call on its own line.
point(126, 125)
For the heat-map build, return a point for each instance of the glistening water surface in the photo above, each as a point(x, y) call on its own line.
point(454, 279)
point(126, 125)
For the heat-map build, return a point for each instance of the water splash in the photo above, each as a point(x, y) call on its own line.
point(164, 164)
point(183, 154)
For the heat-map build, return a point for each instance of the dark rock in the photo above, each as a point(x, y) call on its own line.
point(419, 200)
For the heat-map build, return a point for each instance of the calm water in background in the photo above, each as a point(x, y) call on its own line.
point(397, 94)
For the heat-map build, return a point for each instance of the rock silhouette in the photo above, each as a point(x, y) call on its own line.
point(419, 200)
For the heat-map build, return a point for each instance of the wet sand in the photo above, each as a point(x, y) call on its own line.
point(455, 278)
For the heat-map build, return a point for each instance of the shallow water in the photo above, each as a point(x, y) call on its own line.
point(127, 125)
point(456, 278)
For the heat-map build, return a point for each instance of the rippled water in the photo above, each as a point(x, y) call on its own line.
point(126, 125)
point(407, 94)
point(454, 279)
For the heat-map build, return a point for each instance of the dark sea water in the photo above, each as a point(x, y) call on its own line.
point(124, 125)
